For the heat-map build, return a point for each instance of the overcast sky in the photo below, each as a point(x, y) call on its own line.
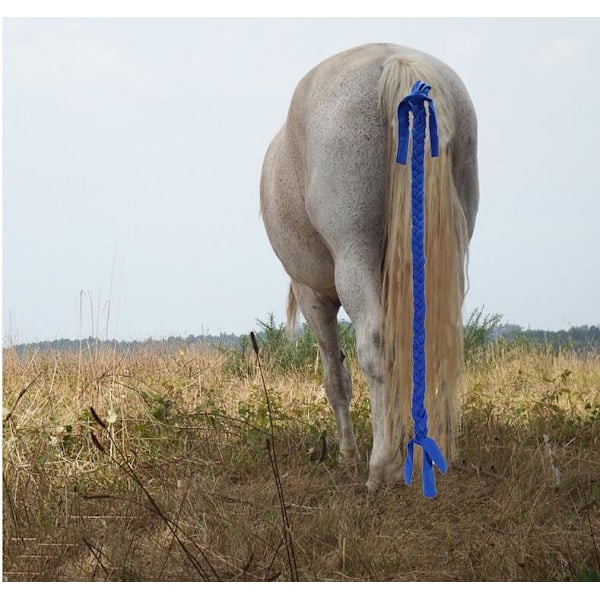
point(132, 151)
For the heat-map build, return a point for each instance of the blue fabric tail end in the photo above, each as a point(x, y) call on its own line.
point(432, 455)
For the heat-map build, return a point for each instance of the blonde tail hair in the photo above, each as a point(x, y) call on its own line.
point(446, 241)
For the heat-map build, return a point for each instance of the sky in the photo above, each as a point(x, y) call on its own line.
point(132, 151)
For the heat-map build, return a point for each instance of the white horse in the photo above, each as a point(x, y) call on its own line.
point(336, 208)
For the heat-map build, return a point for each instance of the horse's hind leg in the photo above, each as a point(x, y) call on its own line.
point(358, 285)
point(320, 313)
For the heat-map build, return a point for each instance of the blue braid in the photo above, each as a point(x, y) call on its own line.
point(415, 103)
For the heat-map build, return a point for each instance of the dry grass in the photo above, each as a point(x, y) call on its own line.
point(178, 485)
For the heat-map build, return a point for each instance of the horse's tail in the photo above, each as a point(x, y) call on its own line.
point(446, 241)
point(292, 312)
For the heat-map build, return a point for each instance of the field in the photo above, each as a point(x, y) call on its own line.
point(160, 464)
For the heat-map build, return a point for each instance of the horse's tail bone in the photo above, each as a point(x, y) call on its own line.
point(446, 241)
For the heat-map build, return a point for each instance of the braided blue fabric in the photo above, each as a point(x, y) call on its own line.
point(415, 103)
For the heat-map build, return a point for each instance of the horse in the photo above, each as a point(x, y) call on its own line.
point(336, 210)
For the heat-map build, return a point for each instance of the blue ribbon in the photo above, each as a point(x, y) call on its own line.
point(415, 103)
point(432, 455)
point(419, 93)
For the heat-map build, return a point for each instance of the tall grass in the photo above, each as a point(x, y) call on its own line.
point(478, 332)
point(300, 351)
point(153, 466)
point(283, 352)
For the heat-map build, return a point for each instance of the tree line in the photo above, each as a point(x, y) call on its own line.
point(582, 338)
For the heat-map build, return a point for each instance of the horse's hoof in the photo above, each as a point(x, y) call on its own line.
point(349, 456)
point(388, 474)
point(373, 485)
